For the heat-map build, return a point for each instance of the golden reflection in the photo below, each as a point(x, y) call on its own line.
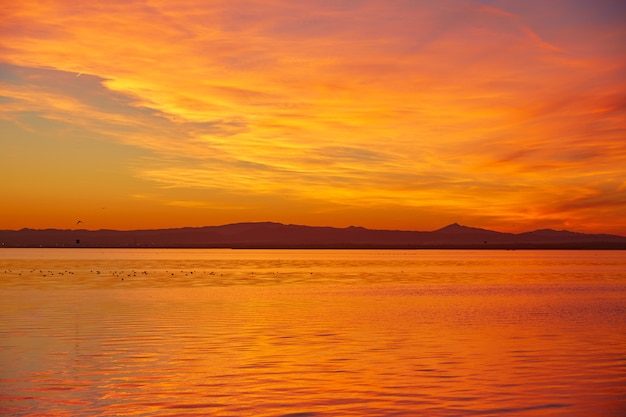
point(479, 332)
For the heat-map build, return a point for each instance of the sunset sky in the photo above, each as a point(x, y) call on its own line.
point(388, 114)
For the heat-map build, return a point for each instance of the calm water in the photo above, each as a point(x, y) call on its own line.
point(88, 332)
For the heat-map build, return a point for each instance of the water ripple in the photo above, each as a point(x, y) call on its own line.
point(344, 336)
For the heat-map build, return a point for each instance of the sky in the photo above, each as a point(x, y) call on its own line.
point(397, 114)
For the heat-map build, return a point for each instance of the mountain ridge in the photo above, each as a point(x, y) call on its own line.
point(278, 235)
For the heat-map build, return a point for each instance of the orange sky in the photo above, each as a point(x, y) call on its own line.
point(395, 114)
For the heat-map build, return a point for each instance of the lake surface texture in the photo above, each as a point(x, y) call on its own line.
point(308, 333)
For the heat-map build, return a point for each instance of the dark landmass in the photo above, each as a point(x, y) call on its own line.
point(281, 236)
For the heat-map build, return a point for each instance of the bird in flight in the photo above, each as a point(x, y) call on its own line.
point(79, 222)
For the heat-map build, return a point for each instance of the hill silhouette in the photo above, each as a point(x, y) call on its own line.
point(277, 235)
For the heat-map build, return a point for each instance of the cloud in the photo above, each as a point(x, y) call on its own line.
point(478, 107)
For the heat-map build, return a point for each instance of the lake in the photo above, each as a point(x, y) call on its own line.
point(308, 333)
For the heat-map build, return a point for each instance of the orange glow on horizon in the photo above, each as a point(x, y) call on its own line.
point(399, 115)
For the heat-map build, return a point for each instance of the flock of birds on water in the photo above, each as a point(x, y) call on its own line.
point(120, 274)
point(97, 277)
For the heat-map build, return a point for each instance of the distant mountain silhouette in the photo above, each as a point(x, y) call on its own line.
point(277, 235)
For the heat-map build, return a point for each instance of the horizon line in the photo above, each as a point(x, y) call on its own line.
point(455, 224)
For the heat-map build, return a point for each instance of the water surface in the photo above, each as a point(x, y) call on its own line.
point(90, 332)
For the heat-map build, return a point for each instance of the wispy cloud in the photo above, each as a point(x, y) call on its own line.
point(497, 111)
